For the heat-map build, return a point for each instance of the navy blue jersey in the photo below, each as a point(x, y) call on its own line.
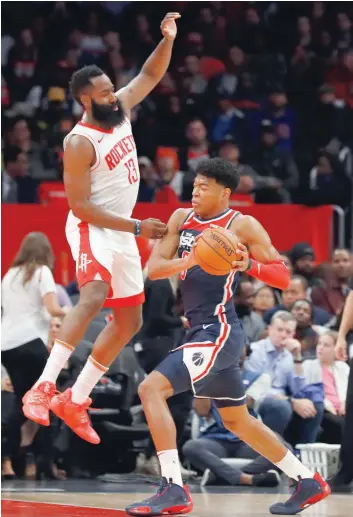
point(208, 299)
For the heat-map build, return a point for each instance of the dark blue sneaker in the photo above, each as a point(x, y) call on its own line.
point(308, 492)
point(170, 499)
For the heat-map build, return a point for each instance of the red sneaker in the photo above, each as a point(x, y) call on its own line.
point(36, 402)
point(75, 415)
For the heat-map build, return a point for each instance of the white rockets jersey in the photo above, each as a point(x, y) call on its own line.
point(115, 176)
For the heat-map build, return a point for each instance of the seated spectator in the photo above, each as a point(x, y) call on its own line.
point(250, 180)
point(244, 301)
point(297, 290)
point(334, 376)
point(340, 77)
point(167, 164)
point(328, 184)
point(16, 184)
point(279, 355)
point(228, 121)
point(264, 300)
point(332, 295)
point(22, 64)
point(149, 180)
point(303, 260)
point(21, 136)
point(216, 443)
point(193, 82)
point(305, 333)
point(282, 118)
point(276, 165)
point(196, 150)
point(197, 145)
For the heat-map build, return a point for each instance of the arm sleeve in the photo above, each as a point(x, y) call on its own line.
point(46, 281)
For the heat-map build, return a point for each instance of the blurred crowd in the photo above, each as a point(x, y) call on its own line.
point(266, 85)
point(293, 381)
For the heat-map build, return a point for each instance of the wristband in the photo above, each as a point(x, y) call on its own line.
point(249, 265)
point(137, 228)
point(298, 361)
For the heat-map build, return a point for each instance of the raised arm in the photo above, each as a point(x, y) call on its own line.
point(265, 263)
point(78, 159)
point(162, 263)
point(154, 68)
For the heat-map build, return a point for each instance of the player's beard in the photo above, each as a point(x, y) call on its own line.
point(107, 115)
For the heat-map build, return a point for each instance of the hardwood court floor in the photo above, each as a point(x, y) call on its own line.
point(94, 499)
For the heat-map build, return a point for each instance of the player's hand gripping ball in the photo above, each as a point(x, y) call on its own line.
point(218, 251)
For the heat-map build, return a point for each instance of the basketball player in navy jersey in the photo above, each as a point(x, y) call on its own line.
point(208, 361)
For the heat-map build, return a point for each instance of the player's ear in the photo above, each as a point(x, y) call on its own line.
point(86, 101)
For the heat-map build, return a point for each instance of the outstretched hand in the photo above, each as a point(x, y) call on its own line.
point(169, 27)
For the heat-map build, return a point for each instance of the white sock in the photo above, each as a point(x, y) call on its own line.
point(291, 466)
point(59, 354)
point(170, 467)
point(86, 381)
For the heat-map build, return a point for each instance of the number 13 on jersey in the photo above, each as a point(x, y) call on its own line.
point(132, 171)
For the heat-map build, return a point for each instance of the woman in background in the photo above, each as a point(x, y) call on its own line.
point(334, 377)
point(28, 295)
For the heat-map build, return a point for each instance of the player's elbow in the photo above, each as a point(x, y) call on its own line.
point(78, 209)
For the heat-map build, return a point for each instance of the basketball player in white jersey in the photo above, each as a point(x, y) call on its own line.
point(101, 177)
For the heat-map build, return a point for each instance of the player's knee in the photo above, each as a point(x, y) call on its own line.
point(150, 389)
point(146, 389)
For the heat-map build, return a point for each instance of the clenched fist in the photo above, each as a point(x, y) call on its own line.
point(152, 229)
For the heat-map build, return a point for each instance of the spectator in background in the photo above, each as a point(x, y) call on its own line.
point(279, 355)
point(305, 333)
point(330, 120)
point(20, 135)
point(16, 184)
point(282, 118)
point(228, 121)
point(341, 77)
point(249, 179)
point(244, 301)
point(27, 289)
point(171, 178)
point(344, 34)
point(264, 300)
point(297, 290)
point(91, 43)
point(276, 165)
point(22, 65)
point(148, 182)
point(193, 82)
point(334, 376)
point(303, 260)
point(196, 150)
point(328, 184)
point(332, 295)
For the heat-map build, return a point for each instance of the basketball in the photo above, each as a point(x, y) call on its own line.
point(216, 250)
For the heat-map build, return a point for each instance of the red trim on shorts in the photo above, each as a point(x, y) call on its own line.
point(87, 265)
point(129, 301)
point(85, 124)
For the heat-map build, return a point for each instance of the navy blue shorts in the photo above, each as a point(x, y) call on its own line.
point(208, 364)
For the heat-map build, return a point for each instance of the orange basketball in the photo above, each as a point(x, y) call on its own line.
point(216, 250)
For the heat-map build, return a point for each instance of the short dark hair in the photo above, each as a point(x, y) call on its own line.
point(222, 171)
point(302, 280)
point(82, 78)
point(11, 153)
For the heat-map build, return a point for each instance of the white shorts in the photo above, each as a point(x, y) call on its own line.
point(107, 255)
